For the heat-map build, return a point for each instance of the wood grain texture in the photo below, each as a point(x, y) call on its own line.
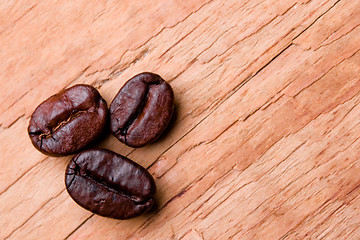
point(266, 136)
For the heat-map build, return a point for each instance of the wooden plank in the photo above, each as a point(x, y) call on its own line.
point(266, 136)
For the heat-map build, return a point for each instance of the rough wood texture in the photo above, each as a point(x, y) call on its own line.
point(266, 140)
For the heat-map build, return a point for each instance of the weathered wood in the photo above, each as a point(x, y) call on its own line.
point(266, 137)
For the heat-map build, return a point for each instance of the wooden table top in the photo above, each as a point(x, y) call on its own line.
point(265, 144)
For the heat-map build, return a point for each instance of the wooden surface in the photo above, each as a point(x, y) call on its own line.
point(265, 144)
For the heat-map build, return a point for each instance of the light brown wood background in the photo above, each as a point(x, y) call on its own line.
point(266, 140)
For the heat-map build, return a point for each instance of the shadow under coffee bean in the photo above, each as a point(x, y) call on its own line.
point(68, 121)
point(109, 184)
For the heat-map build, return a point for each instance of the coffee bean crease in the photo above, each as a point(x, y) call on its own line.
point(68, 121)
point(141, 110)
point(109, 184)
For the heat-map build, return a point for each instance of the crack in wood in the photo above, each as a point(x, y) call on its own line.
point(337, 39)
point(323, 75)
point(32, 215)
point(79, 226)
point(22, 175)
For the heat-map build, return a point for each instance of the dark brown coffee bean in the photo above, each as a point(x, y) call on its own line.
point(68, 121)
point(141, 110)
point(109, 184)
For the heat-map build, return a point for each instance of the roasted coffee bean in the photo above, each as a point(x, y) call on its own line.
point(109, 184)
point(141, 110)
point(68, 121)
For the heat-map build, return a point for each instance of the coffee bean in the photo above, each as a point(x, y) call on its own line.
point(109, 184)
point(141, 110)
point(68, 121)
